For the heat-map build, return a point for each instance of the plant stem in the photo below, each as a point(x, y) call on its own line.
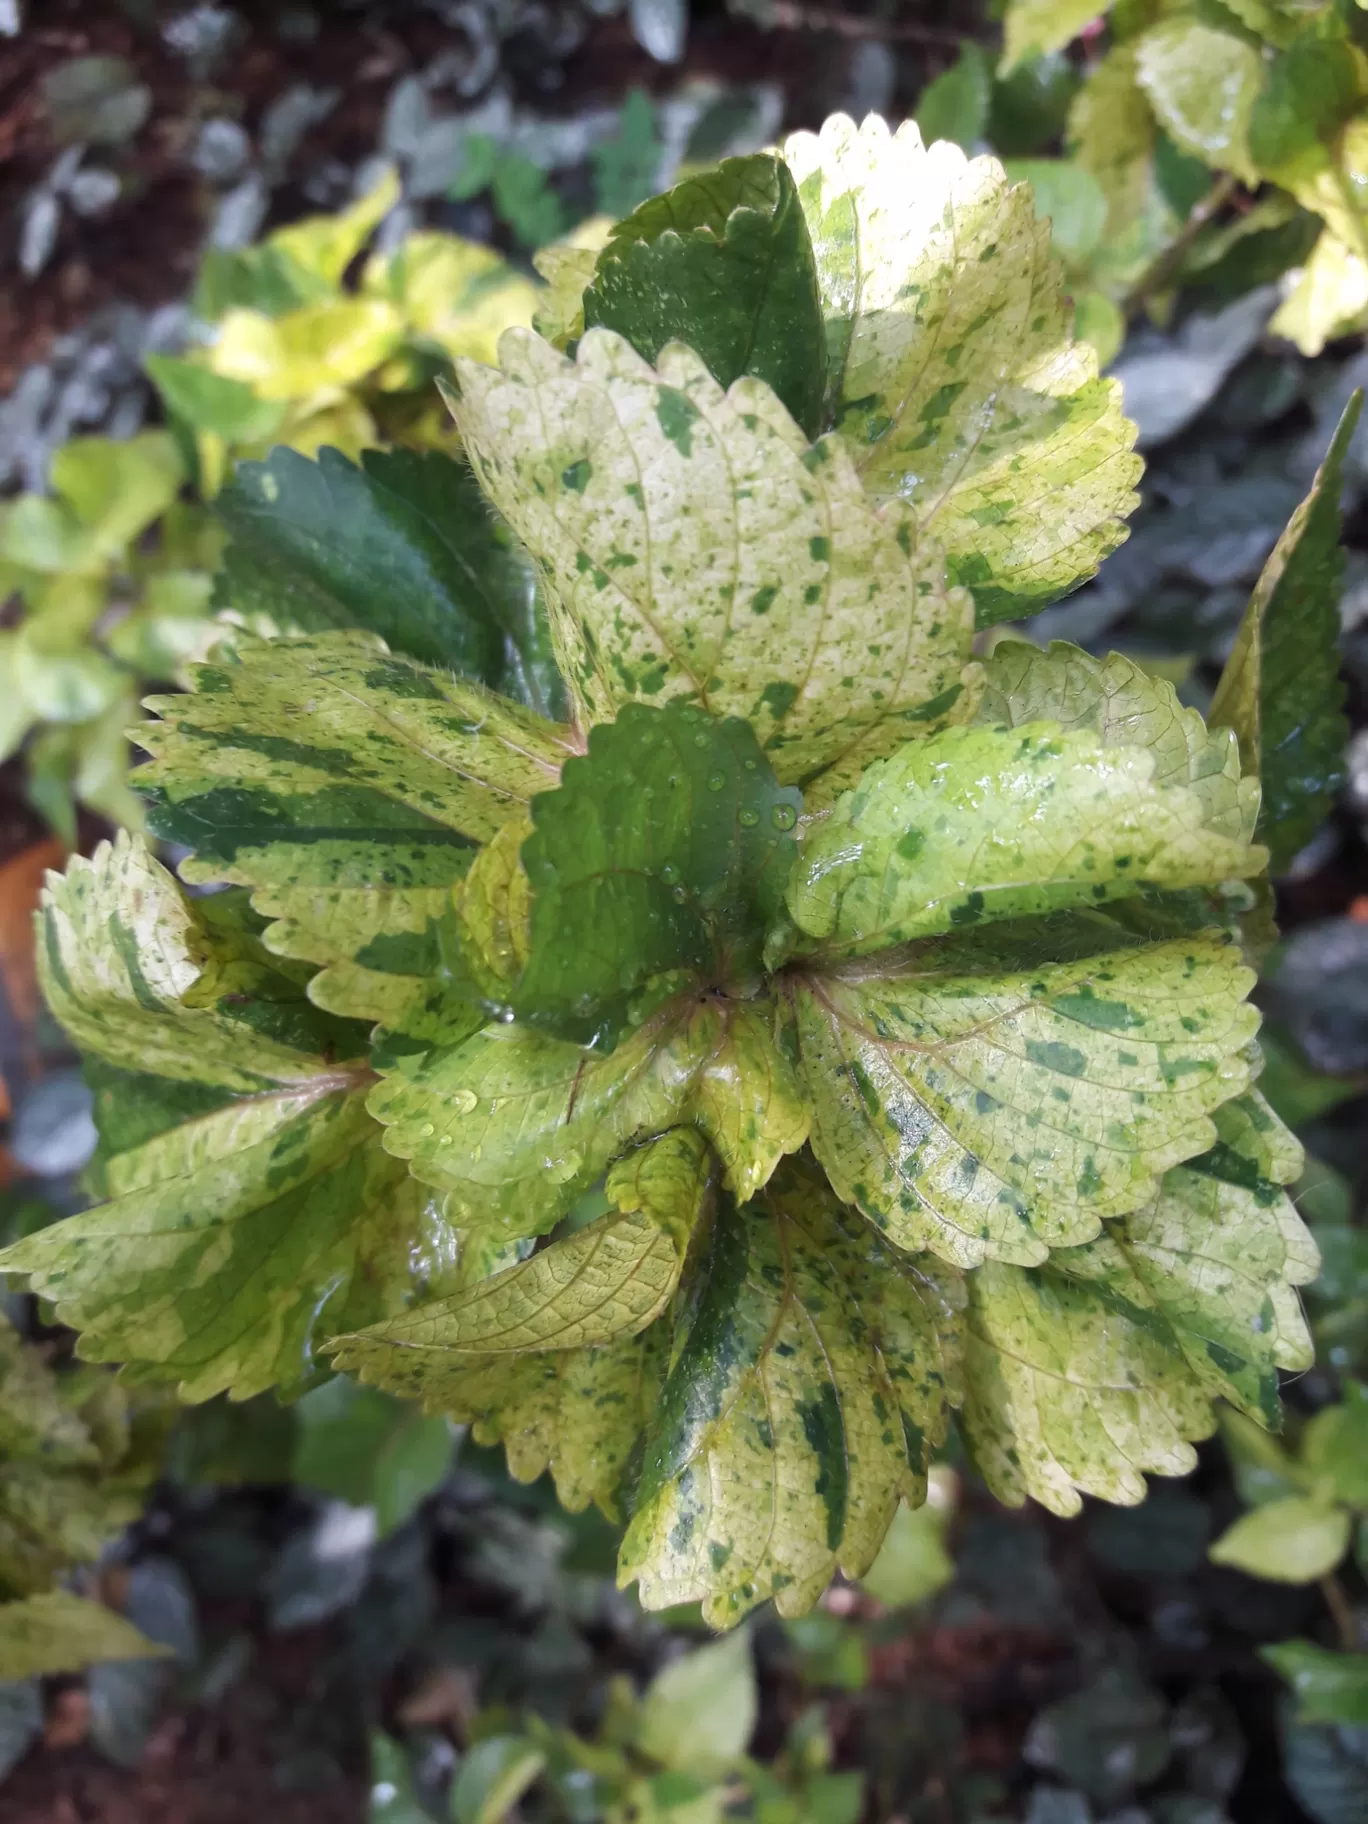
point(1341, 1611)
point(1166, 263)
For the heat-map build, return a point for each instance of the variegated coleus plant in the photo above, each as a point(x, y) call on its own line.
point(811, 1029)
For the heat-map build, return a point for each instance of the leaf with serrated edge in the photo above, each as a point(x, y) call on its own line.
point(954, 380)
point(1216, 1255)
point(328, 760)
point(515, 1124)
point(722, 263)
point(236, 1244)
point(378, 955)
point(656, 867)
point(609, 1279)
point(57, 1632)
point(1067, 1394)
point(1281, 689)
point(986, 1103)
point(119, 950)
point(1126, 707)
point(691, 543)
point(800, 1406)
point(577, 1412)
point(975, 824)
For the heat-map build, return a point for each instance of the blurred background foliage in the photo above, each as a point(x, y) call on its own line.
point(230, 227)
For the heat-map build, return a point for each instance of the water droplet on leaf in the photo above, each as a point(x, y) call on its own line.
point(716, 781)
point(783, 816)
point(748, 818)
point(669, 874)
point(466, 1100)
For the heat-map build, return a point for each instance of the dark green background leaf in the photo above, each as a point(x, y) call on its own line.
point(1281, 690)
point(404, 546)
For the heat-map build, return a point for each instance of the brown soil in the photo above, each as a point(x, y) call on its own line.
point(218, 1766)
point(145, 249)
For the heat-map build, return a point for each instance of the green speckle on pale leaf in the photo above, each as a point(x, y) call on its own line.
point(954, 380)
point(658, 567)
point(1011, 821)
point(820, 1030)
point(976, 1100)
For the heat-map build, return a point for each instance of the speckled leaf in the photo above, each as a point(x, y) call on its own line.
point(1203, 85)
point(953, 379)
point(722, 263)
point(57, 1632)
point(381, 955)
point(515, 1124)
point(131, 969)
point(403, 546)
point(238, 1243)
point(799, 1407)
point(1067, 1392)
point(607, 1280)
point(1281, 689)
point(1215, 1258)
point(693, 544)
point(1126, 707)
point(656, 867)
point(748, 1097)
point(328, 761)
point(982, 1099)
point(493, 911)
point(983, 823)
point(577, 1412)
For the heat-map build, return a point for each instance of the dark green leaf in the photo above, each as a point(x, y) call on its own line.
point(723, 263)
point(1329, 1687)
point(655, 867)
point(625, 166)
point(404, 546)
point(955, 105)
point(1281, 689)
point(1309, 91)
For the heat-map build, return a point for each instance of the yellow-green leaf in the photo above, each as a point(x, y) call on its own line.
point(235, 1245)
point(607, 1280)
point(975, 824)
point(329, 761)
point(132, 971)
point(1067, 1394)
point(811, 1377)
point(57, 1632)
point(982, 1099)
point(693, 544)
point(954, 380)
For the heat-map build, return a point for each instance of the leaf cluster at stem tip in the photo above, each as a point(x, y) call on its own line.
point(669, 1005)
